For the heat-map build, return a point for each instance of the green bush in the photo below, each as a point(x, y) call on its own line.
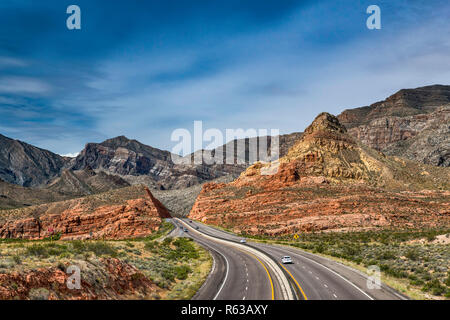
point(435, 287)
point(182, 272)
point(412, 254)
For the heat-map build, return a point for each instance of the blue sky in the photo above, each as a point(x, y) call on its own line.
point(145, 68)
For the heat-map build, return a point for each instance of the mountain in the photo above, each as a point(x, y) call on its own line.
point(85, 182)
point(129, 212)
point(138, 163)
point(328, 181)
point(14, 196)
point(412, 123)
point(26, 165)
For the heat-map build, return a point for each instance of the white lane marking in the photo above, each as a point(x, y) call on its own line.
point(246, 288)
point(325, 286)
point(281, 278)
point(226, 276)
point(337, 274)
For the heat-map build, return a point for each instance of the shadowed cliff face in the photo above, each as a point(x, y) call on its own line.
point(328, 181)
point(25, 165)
point(413, 123)
point(138, 163)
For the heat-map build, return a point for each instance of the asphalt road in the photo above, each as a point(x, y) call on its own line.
point(236, 274)
point(314, 277)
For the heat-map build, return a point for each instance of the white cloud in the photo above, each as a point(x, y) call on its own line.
point(23, 85)
point(71, 155)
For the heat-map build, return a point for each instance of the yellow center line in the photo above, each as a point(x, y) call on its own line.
point(268, 274)
point(303, 293)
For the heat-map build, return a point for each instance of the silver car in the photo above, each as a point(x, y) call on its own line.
point(286, 260)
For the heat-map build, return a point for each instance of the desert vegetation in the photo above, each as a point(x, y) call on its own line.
point(145, 268)
point(418, 260)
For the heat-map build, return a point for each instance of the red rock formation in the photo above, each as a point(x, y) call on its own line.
point(327, 181)
point(123, 280)
point(76, 219)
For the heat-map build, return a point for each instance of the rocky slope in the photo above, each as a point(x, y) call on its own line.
point(14, 196)
point(140, 164)
point(119, 214)
point(412, 123)
point(26, 165)
point(328, 181)
point(120, 281)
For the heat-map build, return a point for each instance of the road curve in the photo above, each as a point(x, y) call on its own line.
point(316, 277)
point(238, 273)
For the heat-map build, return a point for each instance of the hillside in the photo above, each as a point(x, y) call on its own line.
point(26, 165)
point(118, 214)
point(328, 181)
point(412, 123)
point(14, 196)
point(85, 182)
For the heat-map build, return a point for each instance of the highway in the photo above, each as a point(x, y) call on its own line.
point(242, 276)
point(238, 273)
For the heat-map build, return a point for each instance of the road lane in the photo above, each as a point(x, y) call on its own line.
point(319, 277)
point(237, 275)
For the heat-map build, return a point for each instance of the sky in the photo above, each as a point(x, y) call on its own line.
point(145, 68)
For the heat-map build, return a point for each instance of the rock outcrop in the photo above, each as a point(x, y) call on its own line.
point(328, 181)
point(119, 214)
point(122, 281)
point(141, 164)
point(85, 182)
point(26, 165)
point(412, 123)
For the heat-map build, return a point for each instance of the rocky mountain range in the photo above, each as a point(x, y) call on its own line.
point(412, 123)
point(328, 181)
point(126, 213)
point(26, 165)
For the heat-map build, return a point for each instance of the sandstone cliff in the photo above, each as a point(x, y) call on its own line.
point(118, 214)
point(328, 181)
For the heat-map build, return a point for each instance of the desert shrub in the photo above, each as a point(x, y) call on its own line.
point(101, 248)
point(412, 254)
point(17, 259)
point(435, 287)
point(39, 294)
point(37, 250)
point(447, 281)
point(182, 272)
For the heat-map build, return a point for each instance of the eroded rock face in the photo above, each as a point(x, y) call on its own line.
point(317, 206)
point(75, 219)
point(413, 123)
point(26, 165)
point(121, 281)
point(328, 182)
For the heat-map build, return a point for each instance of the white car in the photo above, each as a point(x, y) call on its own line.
point(286, 260)
point(243, 241)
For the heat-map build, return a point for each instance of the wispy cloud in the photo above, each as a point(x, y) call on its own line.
point(13, 84)
point(143, 70)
